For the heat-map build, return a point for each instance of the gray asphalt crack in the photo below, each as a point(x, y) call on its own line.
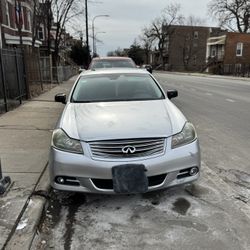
point(20, 128)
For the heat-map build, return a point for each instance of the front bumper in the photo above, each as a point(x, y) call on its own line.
point(166, 170)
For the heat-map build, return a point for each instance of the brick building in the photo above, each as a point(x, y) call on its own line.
point(228, 52)
point(12, 14)
point(185, 49)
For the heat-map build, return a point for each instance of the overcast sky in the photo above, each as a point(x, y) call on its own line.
point(128, 17)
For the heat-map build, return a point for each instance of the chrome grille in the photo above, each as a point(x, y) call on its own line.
point(114, 148)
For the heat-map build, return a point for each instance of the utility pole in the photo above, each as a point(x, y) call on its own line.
point(93, 31)
point(87, 30)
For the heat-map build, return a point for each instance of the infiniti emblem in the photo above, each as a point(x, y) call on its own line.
point(128, 149)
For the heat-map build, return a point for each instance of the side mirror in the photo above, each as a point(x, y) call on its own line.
point(81, 70)
point(150, 70)
point(172, 94)
point(60, 98)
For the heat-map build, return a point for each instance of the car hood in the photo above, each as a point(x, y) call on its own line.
point(121, 120)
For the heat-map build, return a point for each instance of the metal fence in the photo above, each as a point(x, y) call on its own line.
point(24, 74)
point(237, 69)
point(12, 79)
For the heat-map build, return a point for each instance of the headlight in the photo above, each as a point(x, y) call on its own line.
point(187, 135)
point(60, 140)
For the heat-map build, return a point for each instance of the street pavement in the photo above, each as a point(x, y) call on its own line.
point(212, 213)
point(220, 109)
point(204, 215)
point(25, 138)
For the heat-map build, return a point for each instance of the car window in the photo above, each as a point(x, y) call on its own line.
point(116, 87)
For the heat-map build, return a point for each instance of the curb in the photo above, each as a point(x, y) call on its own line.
point(26, 226)
point(204, 75)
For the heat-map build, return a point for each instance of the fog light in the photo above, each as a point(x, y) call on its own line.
point(193, 171)
point(60, 180)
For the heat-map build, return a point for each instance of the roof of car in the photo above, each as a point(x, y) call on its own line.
point(114, 71)
point(112, 58)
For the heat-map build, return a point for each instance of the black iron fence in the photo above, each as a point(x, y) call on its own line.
point(13, 88)
point(236, 69)
point(24, 74)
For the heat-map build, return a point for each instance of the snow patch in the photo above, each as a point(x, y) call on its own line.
point(22, 224)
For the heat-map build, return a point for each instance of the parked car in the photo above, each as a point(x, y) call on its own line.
point(120, 133)
point(148, 67)
point(111, 62)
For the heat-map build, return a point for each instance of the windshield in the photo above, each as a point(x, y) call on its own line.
point(116, 87)
point(116, 63)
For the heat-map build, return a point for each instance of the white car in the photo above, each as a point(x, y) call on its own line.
point(120, 133)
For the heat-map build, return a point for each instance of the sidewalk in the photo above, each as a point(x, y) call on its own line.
point(24, 146)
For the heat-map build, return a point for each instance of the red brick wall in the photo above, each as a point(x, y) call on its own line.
point(12, 29)
point(230, 48)
point(184, 44)
point(14, 32)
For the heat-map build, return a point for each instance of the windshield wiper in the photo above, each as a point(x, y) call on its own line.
point(87, 101)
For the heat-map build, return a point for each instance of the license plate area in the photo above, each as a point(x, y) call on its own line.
point(129, 178)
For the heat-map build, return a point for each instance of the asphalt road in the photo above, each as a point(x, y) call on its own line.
point(220, 110)
point(212, 213)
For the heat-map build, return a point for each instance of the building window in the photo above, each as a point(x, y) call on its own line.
point(166, 46)
point(22, 18)
point(213, 51)
point(195, 60)
point(239, 49)
point(196, 35)
point(29, 20)
point(7, 14)
point(188, 37)
point(18, 16)
point(40, 33)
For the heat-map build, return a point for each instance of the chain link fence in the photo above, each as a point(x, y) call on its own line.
point(63, 73)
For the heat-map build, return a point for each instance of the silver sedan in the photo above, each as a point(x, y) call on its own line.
point(120, 133)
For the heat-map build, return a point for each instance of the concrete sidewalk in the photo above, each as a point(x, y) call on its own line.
point(24, 146)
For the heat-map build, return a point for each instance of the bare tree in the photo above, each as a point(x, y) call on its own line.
point(36, 21)
point(64, 11)
point(147, 44)
point(232, 14)
point(195, 21)
point(117, 52)
point(159, 30)
point(42, 15)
